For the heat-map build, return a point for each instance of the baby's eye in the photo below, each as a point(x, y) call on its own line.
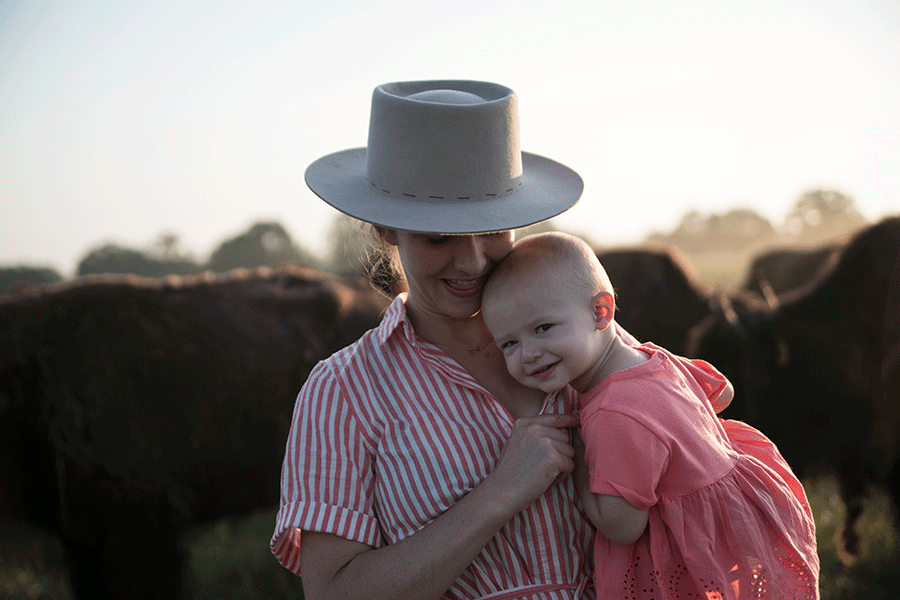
point(543, 328)
point(508, 344)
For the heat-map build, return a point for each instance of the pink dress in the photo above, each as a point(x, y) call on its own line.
point(727, 517)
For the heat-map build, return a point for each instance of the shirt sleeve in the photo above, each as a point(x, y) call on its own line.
point(327, 478)
point(710, 380)
point(624, 457)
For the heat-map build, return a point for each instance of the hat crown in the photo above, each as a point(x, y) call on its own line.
point(444, 157)
point(444, 96)
point(444, 140)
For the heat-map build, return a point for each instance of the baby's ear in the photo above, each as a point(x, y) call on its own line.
point(604, 309)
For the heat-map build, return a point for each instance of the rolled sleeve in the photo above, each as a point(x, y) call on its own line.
point(327, 480)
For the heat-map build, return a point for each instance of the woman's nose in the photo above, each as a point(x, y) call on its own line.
point(472, 256)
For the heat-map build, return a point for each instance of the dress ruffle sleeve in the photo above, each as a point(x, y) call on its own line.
point(623, 457)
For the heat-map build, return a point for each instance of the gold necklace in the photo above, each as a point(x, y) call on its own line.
point(482, 349)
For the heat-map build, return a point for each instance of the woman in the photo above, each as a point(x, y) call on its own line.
point(416, 466)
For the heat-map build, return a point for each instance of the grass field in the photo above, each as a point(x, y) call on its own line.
point(231, 560)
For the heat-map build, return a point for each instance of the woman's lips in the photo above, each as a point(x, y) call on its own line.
point(463, 288)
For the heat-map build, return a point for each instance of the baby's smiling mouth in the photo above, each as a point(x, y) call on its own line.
point(543, 370)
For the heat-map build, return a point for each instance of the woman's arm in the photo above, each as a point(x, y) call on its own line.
point(425, 565)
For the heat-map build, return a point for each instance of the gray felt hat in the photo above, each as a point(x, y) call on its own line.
point(444, 157)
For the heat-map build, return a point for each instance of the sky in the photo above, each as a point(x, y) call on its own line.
point(121, 121)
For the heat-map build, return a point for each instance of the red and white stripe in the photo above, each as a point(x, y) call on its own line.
point(389, 433)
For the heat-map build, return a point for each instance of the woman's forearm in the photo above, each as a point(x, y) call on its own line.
point(424, 565)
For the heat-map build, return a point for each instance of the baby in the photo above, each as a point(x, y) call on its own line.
point(684, 503)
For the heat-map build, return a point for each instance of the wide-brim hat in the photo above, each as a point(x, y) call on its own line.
point(444, 157)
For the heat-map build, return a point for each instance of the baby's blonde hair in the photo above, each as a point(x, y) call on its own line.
point(568, 258)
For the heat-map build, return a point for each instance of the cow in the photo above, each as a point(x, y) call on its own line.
point(658, 299)
point(781, 270)
point(133, 410)
point(817, 372)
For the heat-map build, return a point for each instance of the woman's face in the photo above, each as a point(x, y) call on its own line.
point(446, 273)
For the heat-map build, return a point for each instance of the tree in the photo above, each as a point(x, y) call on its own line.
point(820, 215)
point(264, 244)
point(112, 258)
point(12, 278)
point(737, 229)
point(168, 247)
point(350, 242)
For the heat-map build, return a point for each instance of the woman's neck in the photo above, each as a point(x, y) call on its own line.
point(465, 333)
point(469, 343)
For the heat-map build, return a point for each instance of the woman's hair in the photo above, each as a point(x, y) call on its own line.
point(383, 266)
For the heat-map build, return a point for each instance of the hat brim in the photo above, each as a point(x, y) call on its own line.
point(549, 189)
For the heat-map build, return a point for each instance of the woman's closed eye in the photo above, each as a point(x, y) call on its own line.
point(437, 240)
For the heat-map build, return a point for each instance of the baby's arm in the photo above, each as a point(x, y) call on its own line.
point(618, 521)
point(614, 517)
point(724, 398)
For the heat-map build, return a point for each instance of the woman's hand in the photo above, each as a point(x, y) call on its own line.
point(538, 454)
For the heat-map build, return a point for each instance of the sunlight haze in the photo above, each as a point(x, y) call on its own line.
point(122, 120)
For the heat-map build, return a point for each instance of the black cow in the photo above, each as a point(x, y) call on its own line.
point(784, 269)
point(657, 297)
point(133, 410)
point(813, 373)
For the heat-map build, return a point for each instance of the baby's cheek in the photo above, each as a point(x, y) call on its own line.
point(512, 365)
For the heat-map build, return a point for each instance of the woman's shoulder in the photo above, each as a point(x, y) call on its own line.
point(369, 347)
point(376, 350)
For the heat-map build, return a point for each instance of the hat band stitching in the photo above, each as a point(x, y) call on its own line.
point(487, 194)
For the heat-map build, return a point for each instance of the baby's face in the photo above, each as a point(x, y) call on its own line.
point(549, 338)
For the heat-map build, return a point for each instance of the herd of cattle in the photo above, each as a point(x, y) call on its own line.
point(133, 411)
point(814, 354)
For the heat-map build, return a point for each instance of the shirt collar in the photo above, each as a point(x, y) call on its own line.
point(396, 319)
point(396, 323)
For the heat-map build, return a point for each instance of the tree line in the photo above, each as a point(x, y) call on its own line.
point(817, 216)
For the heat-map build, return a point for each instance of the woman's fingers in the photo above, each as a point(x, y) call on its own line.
point(538, 454)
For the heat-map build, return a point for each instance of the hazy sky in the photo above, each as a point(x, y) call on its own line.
point(122, 120)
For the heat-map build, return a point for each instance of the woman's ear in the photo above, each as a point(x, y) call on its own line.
point(388, 235)
point(604, 309)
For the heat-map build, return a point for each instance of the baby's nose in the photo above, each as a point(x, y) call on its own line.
point(530, 352)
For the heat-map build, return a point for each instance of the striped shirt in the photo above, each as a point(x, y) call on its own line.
point(390, 432)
